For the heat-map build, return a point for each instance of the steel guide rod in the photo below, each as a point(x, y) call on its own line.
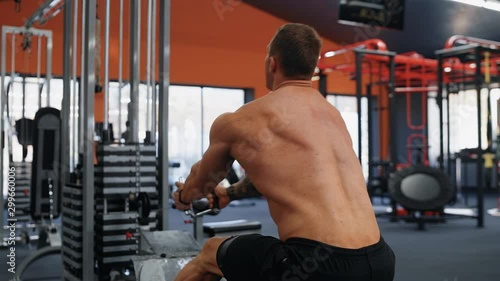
point(164, 81)
point(106, 68)
point(88, 81)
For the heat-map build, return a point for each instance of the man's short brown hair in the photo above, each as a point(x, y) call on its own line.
point(297, 47)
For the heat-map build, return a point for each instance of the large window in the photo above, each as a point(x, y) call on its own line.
point(192, 110)
point(185, 128)
point(433, 125)
point(117, 106)
point(217, 101)
point(118, 109)
point(347, 105)
point(192, 113)
point(463, 121)
point(30, 96)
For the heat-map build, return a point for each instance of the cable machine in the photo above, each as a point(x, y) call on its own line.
point(23, 126)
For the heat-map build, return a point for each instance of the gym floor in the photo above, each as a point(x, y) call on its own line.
point(453, 251)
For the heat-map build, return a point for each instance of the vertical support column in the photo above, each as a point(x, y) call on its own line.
point(448, 148)
point(148, 70)
point(82, 81)
point(65, 107)
point(323, 84)
point(74, 132)
point(7, 96)
point(382, 103)
point(106, 72)
point(23, 113)
point(38, 66)
point(480, 195)
point(2, 115)
point(164, 47)
point(370, 130)
point(153, 73)
point(133, 109)
point(249, 95)
point(202, 115)
point(392, 105)
point(48, 75)
point(359, 92)
point(88, 80)
point(392, 128)
point(120, 71)
point(439, 100)
point(198, 229)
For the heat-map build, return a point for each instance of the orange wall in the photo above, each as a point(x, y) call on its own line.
point(209, 46)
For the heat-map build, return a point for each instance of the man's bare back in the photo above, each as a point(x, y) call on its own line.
point(297, 152)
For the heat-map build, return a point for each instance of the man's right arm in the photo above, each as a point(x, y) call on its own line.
point(242, 189)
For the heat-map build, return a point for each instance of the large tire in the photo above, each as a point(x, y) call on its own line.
point(421, 188)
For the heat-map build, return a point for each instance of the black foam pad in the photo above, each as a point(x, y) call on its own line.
point(145, 204)
point(45, 170)
point(24, 130)
point(421, 188)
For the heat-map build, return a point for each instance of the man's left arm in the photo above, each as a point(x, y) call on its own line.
point(215, 163)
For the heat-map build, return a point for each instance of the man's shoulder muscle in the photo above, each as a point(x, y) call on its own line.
point(227, 126)
point(222, 127)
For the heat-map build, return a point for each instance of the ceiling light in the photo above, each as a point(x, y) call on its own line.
point(488, 4)
point(492, 5)
point(329, 54)
point(477, 3)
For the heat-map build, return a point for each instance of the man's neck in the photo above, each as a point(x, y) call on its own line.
point(296, 83)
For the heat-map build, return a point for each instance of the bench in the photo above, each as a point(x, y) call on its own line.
point(234, 227)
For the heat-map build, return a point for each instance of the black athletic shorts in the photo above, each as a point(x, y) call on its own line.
point(262, 258)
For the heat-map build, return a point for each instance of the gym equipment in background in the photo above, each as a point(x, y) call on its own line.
point(21, 38)
point(45, 174)
point(378, 183)
point(163, 254)
point(45, 185)
point(202, 230)
point(122, 173)
point(124, 181)
point(24, 131)
point(421, 188)
point(71, 230)
point(412, 75)
point(126, 202)
point(423, 192)
point(472, 52)
point(232, 227)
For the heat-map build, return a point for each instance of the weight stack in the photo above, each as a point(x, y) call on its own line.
point(71, 225)
point(23, 189)
point(122, 170)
